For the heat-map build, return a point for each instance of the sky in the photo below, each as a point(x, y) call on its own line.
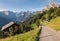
point(24, 5)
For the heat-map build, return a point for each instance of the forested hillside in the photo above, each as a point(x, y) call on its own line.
point(28, 27)
point(53, 18)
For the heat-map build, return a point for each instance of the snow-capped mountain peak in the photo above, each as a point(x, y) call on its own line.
point(51, 4)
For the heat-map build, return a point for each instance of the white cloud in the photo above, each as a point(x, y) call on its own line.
point(3, 9)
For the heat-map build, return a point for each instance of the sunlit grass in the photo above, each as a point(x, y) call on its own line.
point(34, 26)
point(55, 24)
point(28, 36)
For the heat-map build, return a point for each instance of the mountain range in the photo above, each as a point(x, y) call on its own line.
point(18, 17)
point(8, 16)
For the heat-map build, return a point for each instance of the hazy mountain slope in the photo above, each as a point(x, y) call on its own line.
point(4, 21)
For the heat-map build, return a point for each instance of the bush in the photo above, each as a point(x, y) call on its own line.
point(11, 31)
point(1, 34)
point(38, 23)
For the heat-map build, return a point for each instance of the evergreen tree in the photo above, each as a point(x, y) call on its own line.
point(11, 31)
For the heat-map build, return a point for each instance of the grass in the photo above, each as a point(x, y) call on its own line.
point(55, 24)
point(34, 26)
point(28, 36)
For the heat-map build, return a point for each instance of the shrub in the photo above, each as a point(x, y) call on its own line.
point(11, 31)
point(1, 34)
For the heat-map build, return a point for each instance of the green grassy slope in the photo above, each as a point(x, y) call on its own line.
point(28, 36)
point(55, 24)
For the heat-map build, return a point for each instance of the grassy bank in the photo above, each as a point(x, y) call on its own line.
point(54, 24)
point(28, 36)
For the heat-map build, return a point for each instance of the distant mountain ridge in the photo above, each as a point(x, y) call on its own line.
point(19, 17)
point(15, 17)
point(8, 14)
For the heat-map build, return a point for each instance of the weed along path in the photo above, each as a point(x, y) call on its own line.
point(48, 35)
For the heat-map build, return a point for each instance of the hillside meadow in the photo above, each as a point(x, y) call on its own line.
point(54, 24)
point(27, 36)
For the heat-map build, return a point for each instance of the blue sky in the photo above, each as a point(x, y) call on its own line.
point(23, 5)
